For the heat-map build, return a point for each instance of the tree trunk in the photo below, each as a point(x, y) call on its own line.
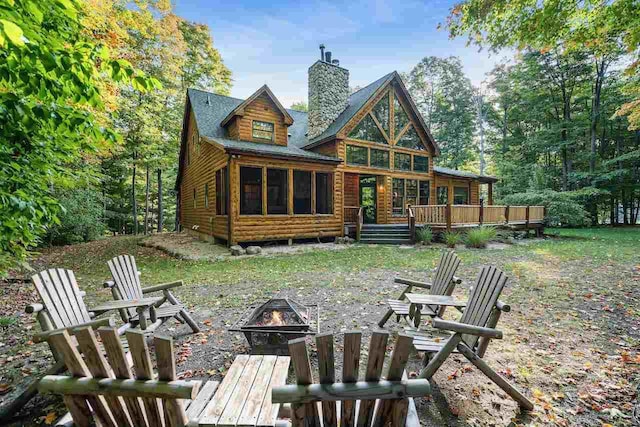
point(134, 203)
point(504, 130)
point(481, 131)
point(160, 213)
point(595, 111)
point(146, 202)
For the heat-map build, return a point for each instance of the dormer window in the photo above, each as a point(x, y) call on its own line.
point(262, 130)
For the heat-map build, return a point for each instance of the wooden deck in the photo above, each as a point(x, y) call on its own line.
point(468, 216)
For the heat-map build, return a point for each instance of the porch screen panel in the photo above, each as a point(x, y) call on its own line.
point(423, 193)
point(460, 196)
point(277, 191)
point(221, 191)
point(398, 196)
point(250, 191)
point(301, 192)
point(324, 193)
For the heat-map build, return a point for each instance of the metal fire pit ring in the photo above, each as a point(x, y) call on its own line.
point(273, 339)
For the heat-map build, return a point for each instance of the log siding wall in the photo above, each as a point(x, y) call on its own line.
point(205, 161)
point(262, 109)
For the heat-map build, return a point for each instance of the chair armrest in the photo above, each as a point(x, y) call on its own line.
point(505, 308)
point(43, 336)
point(34, 308)
point(456, 280)
point(124, 303)
point(162, 287)
point(410, 282)
point(109, 284)
point(464, 328)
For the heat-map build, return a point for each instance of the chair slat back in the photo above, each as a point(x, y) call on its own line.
point(61, 297)
point(389, 412)
point(125, 276)
point(482, 300)
point(443, 279)
point(111, 409)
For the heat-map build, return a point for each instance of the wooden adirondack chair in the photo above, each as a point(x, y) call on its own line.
point(472, 334)
point(444, 281)
point(126, 286)
point(392, 396)
point(62, 308)
point(107, 391)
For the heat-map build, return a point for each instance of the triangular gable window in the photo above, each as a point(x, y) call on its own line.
point(381, 113)
point(410, 139)
point(367, 130)
point(399, 115)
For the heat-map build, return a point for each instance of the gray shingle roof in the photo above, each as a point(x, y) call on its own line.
point(293, 152)
point(464, 174)
point(210, 109)
point(356, 101)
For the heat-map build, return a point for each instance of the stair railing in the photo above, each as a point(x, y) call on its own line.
point(359, 223)
point(411, 222)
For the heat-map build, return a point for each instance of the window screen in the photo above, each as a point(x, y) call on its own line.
point(250, 191)
point(301, 192)
point(277, 191)
point(324, 193)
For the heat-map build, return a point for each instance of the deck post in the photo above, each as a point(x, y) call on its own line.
point(526, 223)
point(447, 212)
point(481, 212)
point(490, 191)
point(506, 214)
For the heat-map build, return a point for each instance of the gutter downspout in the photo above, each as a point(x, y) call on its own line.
point(228, 201)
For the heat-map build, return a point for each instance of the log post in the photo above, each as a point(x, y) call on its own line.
point(526, 223)
point(506, 214)
point(481, 213)
point(447, 211)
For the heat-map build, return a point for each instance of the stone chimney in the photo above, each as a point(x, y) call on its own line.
point(328, 93)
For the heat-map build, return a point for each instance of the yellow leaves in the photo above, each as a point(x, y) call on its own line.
point(50, 418)
point(588, 366)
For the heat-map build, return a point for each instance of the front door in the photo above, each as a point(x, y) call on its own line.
point(368, 198)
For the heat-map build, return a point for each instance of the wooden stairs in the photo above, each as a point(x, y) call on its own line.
point(385, 234)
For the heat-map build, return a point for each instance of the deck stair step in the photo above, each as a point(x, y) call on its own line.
point(385, 234)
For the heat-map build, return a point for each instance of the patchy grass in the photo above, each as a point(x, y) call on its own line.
point(571, 341)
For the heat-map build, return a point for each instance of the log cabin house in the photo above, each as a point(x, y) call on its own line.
point(252, 170)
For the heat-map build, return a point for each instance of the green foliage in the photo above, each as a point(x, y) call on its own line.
point(451, 238)
point(565, 209)
point(81, 219)
point(424, 234)
point(7, 321)
point(300, 106)
point(444, 96)
point(480, 236)
point(50, 80)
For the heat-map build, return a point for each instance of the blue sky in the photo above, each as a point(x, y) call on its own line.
point(274, 42)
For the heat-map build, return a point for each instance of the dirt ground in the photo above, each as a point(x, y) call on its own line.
point(570, 342)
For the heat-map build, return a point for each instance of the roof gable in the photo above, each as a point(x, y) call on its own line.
point(264, 90)
point(362, 99)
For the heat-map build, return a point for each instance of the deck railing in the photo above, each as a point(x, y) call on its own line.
point(470, 215)
point(351, 214)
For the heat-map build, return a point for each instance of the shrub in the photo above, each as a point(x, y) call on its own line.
point(451, 238)
point(479, 237)
point(81, 219)
point(425, 235)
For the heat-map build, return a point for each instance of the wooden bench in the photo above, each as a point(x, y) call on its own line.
point(108, 390)
point(444, 282)
point(372, 402)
